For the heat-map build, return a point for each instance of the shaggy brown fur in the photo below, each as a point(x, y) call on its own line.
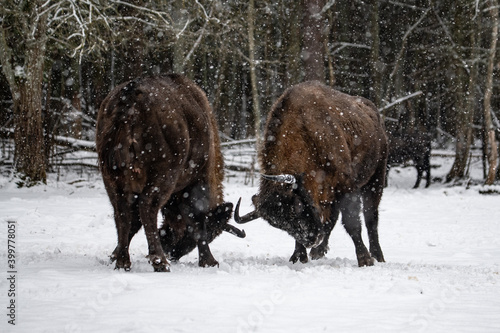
point(158, 148)
point(335, 146)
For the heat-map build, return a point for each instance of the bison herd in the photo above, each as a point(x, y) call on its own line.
point(323, 153)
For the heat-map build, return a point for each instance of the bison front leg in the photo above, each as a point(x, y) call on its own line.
point(206, 259)
point(320, 251)
point(351, 208)
point(300, 253)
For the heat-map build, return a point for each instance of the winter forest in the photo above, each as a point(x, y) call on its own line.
point(431, 68)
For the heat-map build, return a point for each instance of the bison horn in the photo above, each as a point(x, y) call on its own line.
point(234, 231)
point(245, 218)
point(287, 179)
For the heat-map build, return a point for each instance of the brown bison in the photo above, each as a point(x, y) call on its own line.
point(159, 149)
point(415, 146)
point(323, 152)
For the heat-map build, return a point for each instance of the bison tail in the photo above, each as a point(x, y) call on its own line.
point(122, 143)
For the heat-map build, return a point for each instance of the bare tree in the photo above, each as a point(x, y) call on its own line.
point(27, 30)
point(23, 41)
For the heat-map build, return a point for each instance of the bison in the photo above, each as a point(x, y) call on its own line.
point(323, 153)
point(415, 146)
point(159, 149)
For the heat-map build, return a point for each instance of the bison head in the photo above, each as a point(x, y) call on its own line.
point(287, 205)
point(178, 242)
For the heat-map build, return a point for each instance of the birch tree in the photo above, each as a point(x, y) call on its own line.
point(253, 75)
point(489, 129)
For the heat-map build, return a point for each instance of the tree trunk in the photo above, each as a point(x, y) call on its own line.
point(253, 71)
point(489, 130)
point(25, 79)
point(312, 40)
point(466, 80)
point(292, 68)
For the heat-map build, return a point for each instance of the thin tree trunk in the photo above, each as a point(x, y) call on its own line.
point(292, 45)
point(253, 74)
point(489, 130)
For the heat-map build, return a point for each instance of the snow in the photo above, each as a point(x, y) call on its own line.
point(442, 271)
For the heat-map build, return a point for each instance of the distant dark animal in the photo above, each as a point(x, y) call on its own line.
point(159, 148)
point(323, 152)
point(414, 146)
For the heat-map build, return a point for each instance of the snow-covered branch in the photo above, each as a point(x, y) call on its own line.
point(159, 14)
point(400, 100)
point(343, 45)
point(403, 43)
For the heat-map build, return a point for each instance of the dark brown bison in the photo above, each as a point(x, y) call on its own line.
point(414, 146)
point(158, 148)
point(323, 152)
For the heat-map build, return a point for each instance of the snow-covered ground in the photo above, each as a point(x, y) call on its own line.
point(442, 274)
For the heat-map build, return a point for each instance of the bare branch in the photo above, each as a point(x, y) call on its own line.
point(400, 100)
point(158, 14)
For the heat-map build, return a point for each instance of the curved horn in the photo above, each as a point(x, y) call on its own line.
point(245, 218)
point(287, 179)
point(234, 231)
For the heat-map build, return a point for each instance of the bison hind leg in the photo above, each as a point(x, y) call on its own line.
point(120, 253)
point(350, 206)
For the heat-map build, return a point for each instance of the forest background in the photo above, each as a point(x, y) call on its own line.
point(429, 66)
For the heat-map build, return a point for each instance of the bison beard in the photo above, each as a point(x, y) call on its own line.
point(158, 148)
point(324, 153)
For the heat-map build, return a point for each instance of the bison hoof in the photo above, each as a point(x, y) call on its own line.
point(125, 266)
point(366, 261)
point(376, 252)
point(208, 263)
point(318, 252)
point(160, 264)
point(302, 257)
point(122, 262)
point(161, 268)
